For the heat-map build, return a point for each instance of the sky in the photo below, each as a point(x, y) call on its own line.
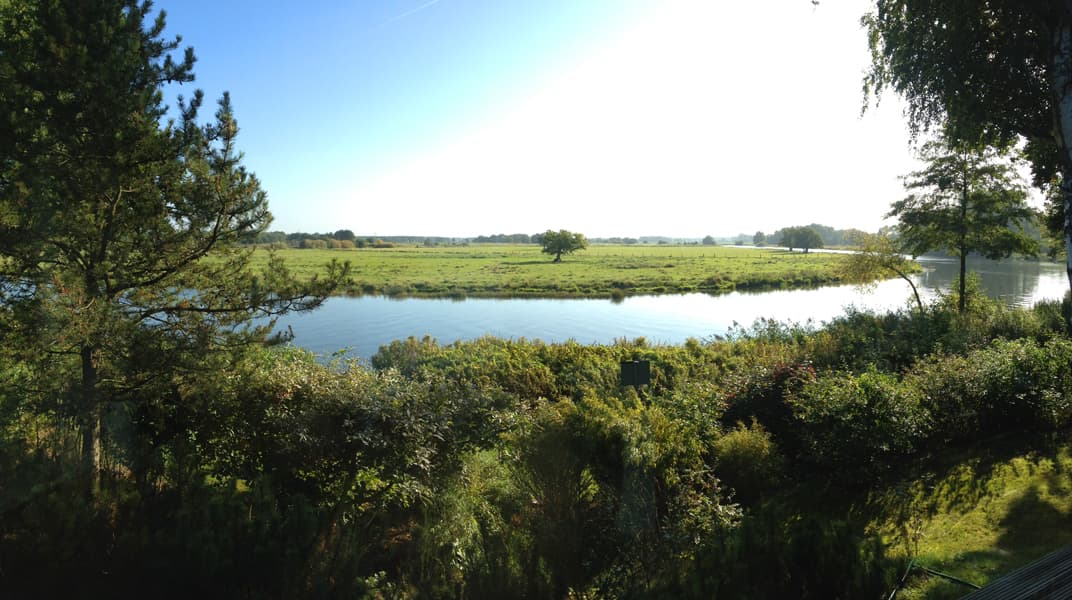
point(459, 118)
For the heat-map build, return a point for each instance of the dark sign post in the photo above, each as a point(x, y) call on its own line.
point(636, 372)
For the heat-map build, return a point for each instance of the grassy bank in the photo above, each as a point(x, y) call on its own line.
point(979, 512)
point(600, 271)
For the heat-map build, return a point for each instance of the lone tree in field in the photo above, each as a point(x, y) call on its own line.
point(107, 211)
point(965, 200)
point(984, 70)
point(562, 242)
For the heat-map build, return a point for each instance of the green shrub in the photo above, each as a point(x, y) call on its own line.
point(775, 556)
point(1007, 386)
point(748, 462)
point(848, 423)
point(469, 541)
point(314, 244)
point(888, 341)
point(1051, 315)
point(529, 370)
point(345, 445)
point(894, 341)
point(654, 463)
point(759, 391)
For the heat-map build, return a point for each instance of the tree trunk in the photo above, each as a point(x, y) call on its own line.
point(1062, 102)
point(91, 422)
point(962, 299)
point(912, 284)
point(1066, 197)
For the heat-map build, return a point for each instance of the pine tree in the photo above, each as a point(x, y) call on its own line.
point(118, 226)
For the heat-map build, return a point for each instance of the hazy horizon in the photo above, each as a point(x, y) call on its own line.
point(609, 118)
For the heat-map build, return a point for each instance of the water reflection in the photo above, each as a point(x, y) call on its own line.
point(361, 325)
point(1017, 282)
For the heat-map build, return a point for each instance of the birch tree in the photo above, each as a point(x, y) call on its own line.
point(992, 70)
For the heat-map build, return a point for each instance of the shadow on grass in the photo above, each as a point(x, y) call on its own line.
point(964, 477)
point(1034, 469)
point(546, 261)
point(1033, 527)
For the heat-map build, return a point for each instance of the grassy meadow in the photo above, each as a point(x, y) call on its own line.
point(979, 512)
point(599, 271)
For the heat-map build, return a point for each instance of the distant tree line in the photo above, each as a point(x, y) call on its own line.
point(344, 238)
point(506, 238)
point(628, 241)
point(829, 235)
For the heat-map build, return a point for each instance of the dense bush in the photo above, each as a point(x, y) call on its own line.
point(850, 424)
point(890, 341)
point(284, 478)
point(748, 462)
point(1009, 385)
point(761, 390)
point(314, 244)
point(495, 468)
point(773, 555)
point(599, 495)
point(894, 341)
point(532, 369)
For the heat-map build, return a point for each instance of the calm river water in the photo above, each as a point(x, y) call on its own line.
point(361, 325)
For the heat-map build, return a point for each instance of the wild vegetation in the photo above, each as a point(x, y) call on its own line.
point(599, 271)
point(779, 460)
point(154, 442)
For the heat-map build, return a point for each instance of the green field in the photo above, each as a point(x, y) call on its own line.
point(600, 271)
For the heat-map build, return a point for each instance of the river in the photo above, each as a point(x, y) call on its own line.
point(359, 326)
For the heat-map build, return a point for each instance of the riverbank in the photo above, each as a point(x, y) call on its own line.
point(478, 468)
point(850, 450)
point(601, 271)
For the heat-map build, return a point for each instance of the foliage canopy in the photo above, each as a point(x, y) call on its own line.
point(877, 255)
point(994, 71)
point(107, 210)
point(966, 200)
point(562, 242)
point(804, 238)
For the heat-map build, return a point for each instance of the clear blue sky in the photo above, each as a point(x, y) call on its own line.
point(625, 117)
